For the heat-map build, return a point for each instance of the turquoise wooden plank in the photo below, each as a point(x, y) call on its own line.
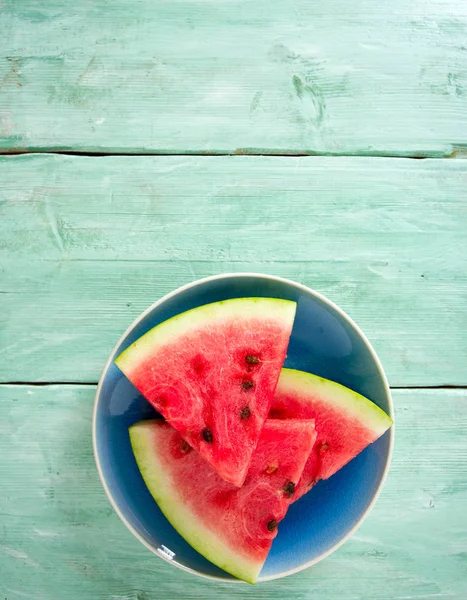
point(60, 539)
point(86, 244)
point(143, 76)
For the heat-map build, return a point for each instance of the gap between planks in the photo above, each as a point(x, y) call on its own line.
point(95, 383)
point(458, 152)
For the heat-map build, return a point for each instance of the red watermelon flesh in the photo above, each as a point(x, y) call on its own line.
point(211, 372)
point(232, 527)
point(346, 422)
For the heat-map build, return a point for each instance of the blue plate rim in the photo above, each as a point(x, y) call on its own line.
point(318, 296)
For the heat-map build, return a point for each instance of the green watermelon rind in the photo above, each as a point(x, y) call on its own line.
point(195, 319)
point(338, 396)
point(159, 484)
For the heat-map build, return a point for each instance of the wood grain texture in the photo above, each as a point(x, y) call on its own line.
point(61, 540)
point(196, 76)
point(86, 244)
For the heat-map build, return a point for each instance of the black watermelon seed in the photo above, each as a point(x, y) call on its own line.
point(272, 525)
point(245, 413)
point(207, 435)
point(247, 385)
point(289, 488)
point(252, 360)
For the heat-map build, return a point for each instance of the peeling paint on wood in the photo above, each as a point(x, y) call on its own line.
point(61, 540)
point(88, 243)
point(196, 76)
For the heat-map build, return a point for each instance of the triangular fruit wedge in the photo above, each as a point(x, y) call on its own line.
point(212, 371)
point(345, 421)
point(232, 527)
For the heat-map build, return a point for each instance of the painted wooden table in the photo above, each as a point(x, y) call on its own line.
point(147, 143)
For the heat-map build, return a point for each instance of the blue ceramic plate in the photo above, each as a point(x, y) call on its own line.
point(324, 341)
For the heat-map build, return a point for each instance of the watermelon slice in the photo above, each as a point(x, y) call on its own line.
point(212, 372)
point(232, 527)
point(345, 421)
